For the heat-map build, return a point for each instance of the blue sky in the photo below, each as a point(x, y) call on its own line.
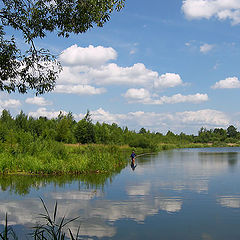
point(163, 65)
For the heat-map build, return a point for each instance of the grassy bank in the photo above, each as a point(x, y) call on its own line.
point(50, 157)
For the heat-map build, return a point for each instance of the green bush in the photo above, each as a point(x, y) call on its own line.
point(143, 142)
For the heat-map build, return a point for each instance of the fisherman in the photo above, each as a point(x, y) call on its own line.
point(133, 155)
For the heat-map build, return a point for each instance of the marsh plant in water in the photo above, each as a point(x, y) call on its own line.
point(51, 227)
point(8, 232)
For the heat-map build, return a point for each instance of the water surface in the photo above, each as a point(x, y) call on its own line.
point(180, 194)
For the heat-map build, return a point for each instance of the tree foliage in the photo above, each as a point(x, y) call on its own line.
point(24, 131)
point(84, 131)
point(232, 131)
point(142, 131)
point(37, 68)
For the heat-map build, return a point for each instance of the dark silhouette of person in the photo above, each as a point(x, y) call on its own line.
point(133, 155)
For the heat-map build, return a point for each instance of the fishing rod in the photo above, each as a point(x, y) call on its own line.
point(144, 154)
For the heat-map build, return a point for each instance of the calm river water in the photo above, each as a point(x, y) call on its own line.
point(181, 194)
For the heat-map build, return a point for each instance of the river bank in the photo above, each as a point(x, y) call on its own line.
point(54, 158)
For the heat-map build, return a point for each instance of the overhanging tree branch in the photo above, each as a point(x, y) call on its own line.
point(37, 69)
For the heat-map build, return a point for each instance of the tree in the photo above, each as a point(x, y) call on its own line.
point(38, 69)
point(142, 131)
point(7, 119)
point(64, 128)
point(232, 131)
point(116, 134)
point(21, 121)
point(102, 133)
point(204, 135)
point(84, 131)
point(220, 134)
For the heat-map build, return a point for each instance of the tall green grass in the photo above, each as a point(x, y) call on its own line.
point(49, 157)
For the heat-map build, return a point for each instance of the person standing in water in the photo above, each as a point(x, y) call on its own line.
point(133, 155)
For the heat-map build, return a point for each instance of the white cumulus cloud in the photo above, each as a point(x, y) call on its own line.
point(205, 48)
point(40, 101)
point(10, 103)
point(143, 96)
point(221, 9)
point(179, 98)
point(132, 52)
point(104, 116)
point(74, 75)
point(204, 117)
point(231, 82)
point(139, 94)
point(43, 112)
point(112, 74)
point(168, 80)
point(108, 74)
point(90, 66)
point(90, 56)
point(79, 89)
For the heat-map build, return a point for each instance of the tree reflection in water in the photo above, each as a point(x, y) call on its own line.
point(217, 157)
point(22, 184)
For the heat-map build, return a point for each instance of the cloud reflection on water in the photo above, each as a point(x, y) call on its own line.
point(141, 189)
point(94, 219)
point(229, 201)
point(95, 215)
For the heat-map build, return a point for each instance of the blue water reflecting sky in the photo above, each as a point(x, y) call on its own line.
point(179, 194)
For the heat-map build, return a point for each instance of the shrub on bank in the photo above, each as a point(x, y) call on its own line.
point(143, 142)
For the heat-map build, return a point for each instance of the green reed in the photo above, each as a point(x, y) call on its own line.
point(51, 227)
point(50, 157)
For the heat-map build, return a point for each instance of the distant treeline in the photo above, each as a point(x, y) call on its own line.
point(66, 129)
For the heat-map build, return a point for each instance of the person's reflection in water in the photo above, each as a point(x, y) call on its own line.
point(133, 166)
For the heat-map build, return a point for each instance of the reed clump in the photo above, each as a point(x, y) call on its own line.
point(51, 226)
point(43, 156)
